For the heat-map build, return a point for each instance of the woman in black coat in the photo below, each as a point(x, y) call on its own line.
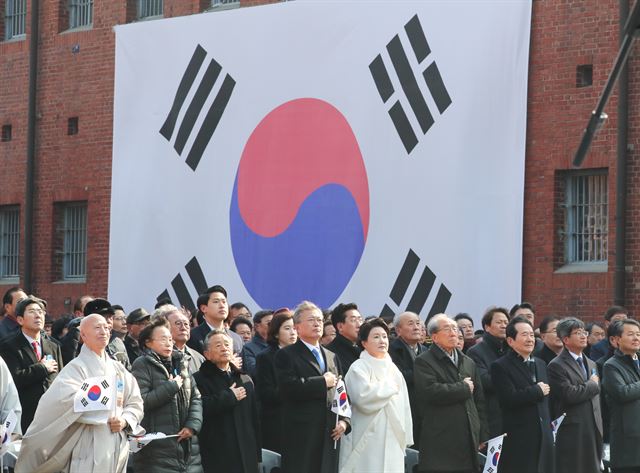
point(230, 426)
point(281, 333)
point(172, 405)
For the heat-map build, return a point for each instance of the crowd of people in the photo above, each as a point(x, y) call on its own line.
point(224, 384)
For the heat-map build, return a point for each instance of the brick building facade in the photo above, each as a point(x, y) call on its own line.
point(570, 41)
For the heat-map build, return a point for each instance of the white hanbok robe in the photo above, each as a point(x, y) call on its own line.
point(62, 440)
point(381, 425)
point(9, 398)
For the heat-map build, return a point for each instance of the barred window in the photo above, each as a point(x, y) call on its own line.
point(586, 238)
point(80, 13)
point(221, 3)
point(74, 241)
point(9, 242)
point(149, 8)
point(15, 17)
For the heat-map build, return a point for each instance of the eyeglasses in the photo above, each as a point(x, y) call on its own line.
point(163, 340)
point(181, 324)
point(580, 333)
point(34, 311)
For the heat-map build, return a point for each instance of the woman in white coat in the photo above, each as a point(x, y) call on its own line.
point(380, 413)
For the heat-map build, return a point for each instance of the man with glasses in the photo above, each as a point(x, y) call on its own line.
point(307, 374)
point(33, 359)
point(180, 332)
point(449, 390)
point(347, 321)
point(575, 391)
point(552, 345)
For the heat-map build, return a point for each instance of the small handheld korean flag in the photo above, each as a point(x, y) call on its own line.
point(95, 394)
point(555, 425)
point(137, 443)
point(6, 429)
point(494, 448)
point(340, 405)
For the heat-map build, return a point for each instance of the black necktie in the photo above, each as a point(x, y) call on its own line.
point(583, 367)
point(532, 369)
point(637, 363)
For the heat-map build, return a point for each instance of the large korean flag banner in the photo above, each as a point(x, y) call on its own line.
point(331, 151)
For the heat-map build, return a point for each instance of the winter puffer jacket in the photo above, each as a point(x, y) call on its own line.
point(168, 409)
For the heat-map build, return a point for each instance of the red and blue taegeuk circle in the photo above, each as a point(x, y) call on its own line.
point(94, 393)
point(299, 212)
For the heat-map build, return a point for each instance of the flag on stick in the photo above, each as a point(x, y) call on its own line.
point(555, 425)
point(137, 443)
point(494, 448)
point(95, 394)
point(340, 405)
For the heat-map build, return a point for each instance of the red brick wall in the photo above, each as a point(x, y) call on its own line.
point(566, 34)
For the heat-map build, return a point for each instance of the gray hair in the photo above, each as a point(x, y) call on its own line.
point(568, 325)
point(302, 307)
point(398, 317)
point(164, 311)
point(212, 334)
point(434, 323)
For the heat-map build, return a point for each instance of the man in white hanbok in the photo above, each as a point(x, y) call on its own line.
point(63, 437)
point(381, 414)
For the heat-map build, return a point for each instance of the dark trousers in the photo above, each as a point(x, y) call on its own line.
point(630, 469)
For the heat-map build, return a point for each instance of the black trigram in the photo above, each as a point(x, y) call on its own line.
point(409, 83)
point(84, 386)
point(421, 292)
point(84, 402)
point(194, 271)
point(194, 108)
point(104, 384)
point(104, 401)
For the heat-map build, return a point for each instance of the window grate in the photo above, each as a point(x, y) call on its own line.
point(217, 3)
point(149, 8)
point(15, 18)
point(74, 263)
point(80, 13)
point(9, 242)
point(587, 218)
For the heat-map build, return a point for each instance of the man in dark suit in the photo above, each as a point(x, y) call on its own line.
point(552, 345)
point(492, 347)
point(451, 401)
point(215, 309)
point(613, 314)
point(621, 381)
point(33, 359)
point(9, 324)
point(347, 321)
point(307, 374)
point(575, 390)
point(403, 351)
point(522, 387)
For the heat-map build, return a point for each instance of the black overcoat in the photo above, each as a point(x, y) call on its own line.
point(621, 381)
point(30, 377)
point(453, 418)
point(579, 438)
point(269, 401)
point(528, 446)
point(307, 420)
point(230, 433)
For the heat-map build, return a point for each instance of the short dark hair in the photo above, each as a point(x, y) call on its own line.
point(274, 326)
point(58, 326)
point(613, 310)
point(463, 316)
point(366, 327)
point(487, 318)
point(8, 296)
point(338, 314)
point(522, 305)
point(544, 325)
point(568, 325)
point(589, 327)
point(147, 332)
point(77, 305)
point(162, 301)
point(239, 305)
point(511, 330)
point(203, 299)
point(239, 321)
point(261, 314)
point(117, 307)
point(616, 328)
point(24, 303)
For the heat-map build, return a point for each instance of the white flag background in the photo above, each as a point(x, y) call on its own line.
point(95, 394)
point(494, 448)
point(331, 151)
